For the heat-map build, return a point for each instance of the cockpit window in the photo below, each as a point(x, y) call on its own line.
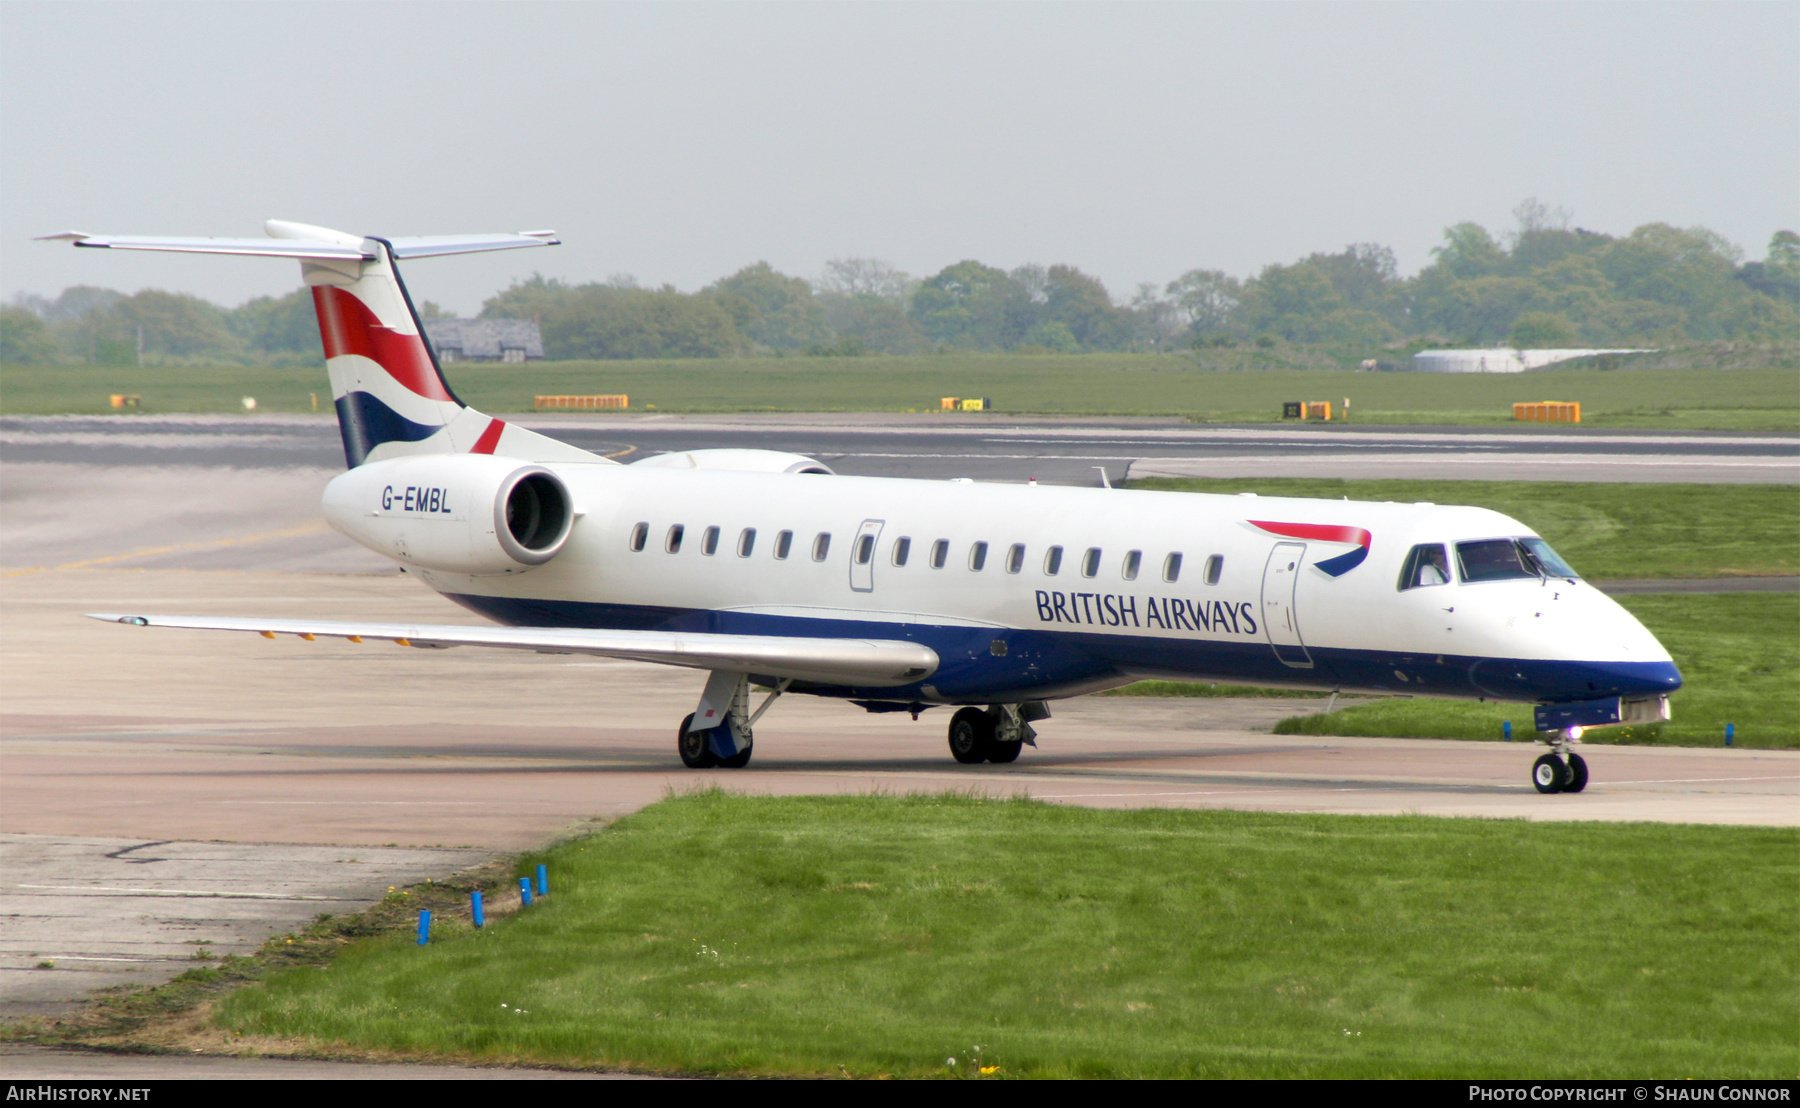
point(1509, 559)
point(1426, 564)
point(1546, 557)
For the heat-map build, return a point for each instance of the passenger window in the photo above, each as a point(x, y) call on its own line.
point(673, 543)
point(1426, 565)
point(1172, 568)
point(1215, 566)
point(746, 542)
point(1053, 561)
point(1090, 562)
point(865, 549)
point(709, 541)
point(1015, 557)
point(639, 535)
point(821, 546)
point(940, 553)
point(784, 542)
point(978, 556)
point(1133, 559)
point(902, 550)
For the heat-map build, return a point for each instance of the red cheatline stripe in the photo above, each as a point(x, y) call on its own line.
point(489, 439)
point(347, 326)
point(1327, 532)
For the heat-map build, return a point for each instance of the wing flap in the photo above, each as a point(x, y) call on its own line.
point(857, 662)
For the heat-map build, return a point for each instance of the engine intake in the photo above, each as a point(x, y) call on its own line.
point(533, 516)
point(459, 513)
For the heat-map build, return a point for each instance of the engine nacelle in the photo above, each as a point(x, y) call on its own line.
point(736, 459)
point(460, 513)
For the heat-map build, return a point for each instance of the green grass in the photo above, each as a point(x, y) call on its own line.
point(1739, 654)
point(871, 936)
point(1605, 531)
point(1244, 384)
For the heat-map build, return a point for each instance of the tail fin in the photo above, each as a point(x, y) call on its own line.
point(391, 396)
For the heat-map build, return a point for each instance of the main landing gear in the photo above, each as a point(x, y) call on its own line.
point(996, 734)
point(723, 737)
point(1562, 770)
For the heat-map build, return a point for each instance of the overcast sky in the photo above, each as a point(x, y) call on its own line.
point(680, 142)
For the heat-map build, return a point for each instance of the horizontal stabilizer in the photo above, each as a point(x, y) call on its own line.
point(426, 246)
point(266, 248)
point(869, 663)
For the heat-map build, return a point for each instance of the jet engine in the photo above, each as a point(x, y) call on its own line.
point(735, 458)
point(459, 513)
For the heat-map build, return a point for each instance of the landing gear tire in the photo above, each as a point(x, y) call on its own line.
point(972, 736)
point(1550, 774)
point(738, 760)
point(1004, 752)
point(695, 752)
point(1577, 774)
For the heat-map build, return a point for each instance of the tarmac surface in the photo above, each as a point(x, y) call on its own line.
point(983, 446)
point(164, 791)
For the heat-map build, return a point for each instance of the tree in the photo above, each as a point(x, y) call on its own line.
point(774, 310)
point(167, 326)
point(1156, 322)
point(1052, 335)
point(1469, 251)
point(965, 305)
point(866, 277)
point(286, 325)
point(529, 299)
point(875, 321)
point(23, 337)
point(1208, 298)
point(1778, 275)
point(1543, 330)
point(1082, 304)
point(602, 322)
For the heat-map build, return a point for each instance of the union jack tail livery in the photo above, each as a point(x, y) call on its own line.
point(391, 398)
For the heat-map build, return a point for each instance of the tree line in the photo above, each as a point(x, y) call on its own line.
point(1545, 284)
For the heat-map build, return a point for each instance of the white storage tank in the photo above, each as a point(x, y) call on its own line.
point(1499, 360)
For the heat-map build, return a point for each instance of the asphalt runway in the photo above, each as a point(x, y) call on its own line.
point(140, 764)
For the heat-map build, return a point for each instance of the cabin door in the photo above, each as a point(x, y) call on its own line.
point(862, 556)
point(1280, 622)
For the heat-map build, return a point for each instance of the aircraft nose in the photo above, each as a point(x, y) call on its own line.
point(1651, 678)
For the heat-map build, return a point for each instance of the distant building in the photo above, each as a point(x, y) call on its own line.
point(1499, 361)
point(485, 340)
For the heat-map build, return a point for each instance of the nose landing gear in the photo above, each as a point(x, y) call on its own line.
point(1562, 770)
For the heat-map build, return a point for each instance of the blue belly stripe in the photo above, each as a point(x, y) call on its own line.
point(1046, 664)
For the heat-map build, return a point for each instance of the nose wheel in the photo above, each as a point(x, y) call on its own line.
point(1562, 770)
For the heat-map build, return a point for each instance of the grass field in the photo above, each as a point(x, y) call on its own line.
point(876, 935)
point(1228, 386)
point(1739, 656)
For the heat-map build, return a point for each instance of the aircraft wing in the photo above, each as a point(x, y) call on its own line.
point(858, 662)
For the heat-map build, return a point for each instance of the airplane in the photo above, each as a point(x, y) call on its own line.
point(767, 569)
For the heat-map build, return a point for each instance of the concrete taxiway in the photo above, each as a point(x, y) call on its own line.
point(147, 771)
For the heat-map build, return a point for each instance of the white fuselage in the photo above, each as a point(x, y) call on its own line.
point(1031, 625)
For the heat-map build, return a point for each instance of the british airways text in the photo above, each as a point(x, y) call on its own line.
point(414, 498)
point(1168, 613)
